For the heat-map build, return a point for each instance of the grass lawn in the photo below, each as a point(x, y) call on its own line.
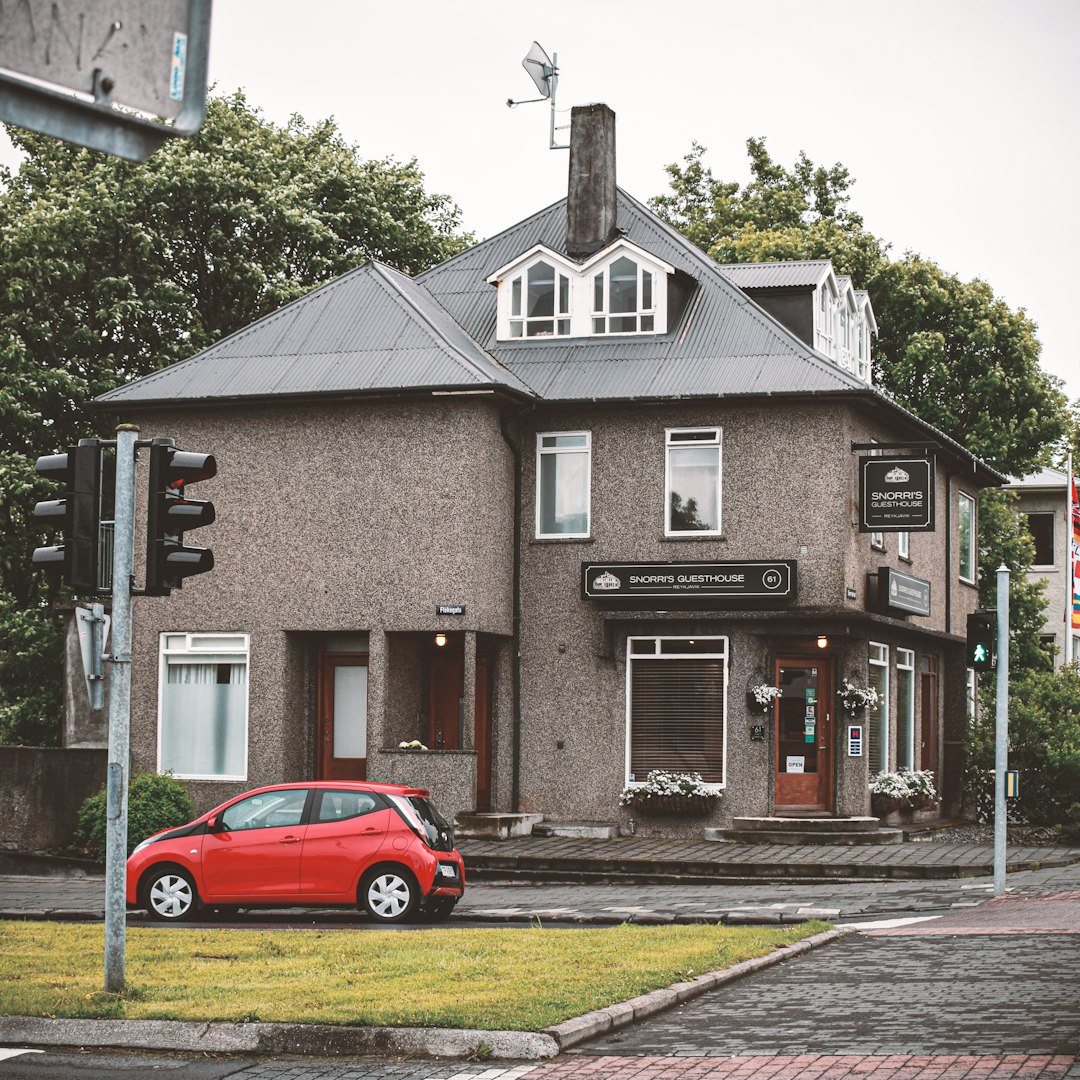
point(513, 979)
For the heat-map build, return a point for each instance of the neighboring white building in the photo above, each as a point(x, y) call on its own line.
point(1043, 504)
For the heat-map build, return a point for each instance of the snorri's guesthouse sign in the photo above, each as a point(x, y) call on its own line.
point(896, 494)
point(764, 580)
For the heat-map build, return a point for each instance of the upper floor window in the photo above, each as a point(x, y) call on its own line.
point(621, 290)
point(903, 545)
point(623, 299)
point(966, 528)
point(692, 493)
point(562, 484)
point(1041, 528)
point(539, 302)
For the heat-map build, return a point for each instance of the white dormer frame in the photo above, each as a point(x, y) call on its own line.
point(581, 317)
point(867, 326)
point(825, 298)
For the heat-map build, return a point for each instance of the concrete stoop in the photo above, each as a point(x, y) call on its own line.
point(806, 830)
point(495, 826)
point(580, 830)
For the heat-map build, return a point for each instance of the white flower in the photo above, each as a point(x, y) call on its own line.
point(857, 697)
point(659, 782)
point(414, 744)
point(765, 695)
point(904, 784)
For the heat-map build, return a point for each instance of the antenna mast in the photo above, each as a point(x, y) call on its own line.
point(544, 72)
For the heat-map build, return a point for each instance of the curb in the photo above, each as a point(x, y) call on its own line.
point(572, 1032)
point(325, 1040)
point(321, 1040)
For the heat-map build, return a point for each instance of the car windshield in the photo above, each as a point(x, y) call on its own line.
point(421, 814)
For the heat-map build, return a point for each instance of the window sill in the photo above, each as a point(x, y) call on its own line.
point(683, 538)
point(542, 541)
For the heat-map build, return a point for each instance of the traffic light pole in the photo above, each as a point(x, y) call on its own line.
point(119, 712)
point(1001, 728)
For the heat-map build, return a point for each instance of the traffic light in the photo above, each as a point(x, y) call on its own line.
point(981, 634)
point(171, 514)
point(76, 513)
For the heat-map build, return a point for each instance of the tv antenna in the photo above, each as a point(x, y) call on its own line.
point(544, 72)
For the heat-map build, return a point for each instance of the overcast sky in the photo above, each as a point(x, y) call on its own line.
point(957, 118)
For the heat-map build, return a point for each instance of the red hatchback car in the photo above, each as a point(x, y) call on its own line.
point(381, 847)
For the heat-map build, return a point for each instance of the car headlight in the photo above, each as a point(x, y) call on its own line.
point(146, 843)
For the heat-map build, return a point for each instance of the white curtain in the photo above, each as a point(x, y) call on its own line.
point(204, 717)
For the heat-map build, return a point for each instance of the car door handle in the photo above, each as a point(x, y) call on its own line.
point(290, 840)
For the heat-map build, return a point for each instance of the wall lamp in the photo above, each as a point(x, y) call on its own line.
point(822, 641)
point(440, 639)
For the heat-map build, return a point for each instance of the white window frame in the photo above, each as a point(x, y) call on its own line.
point(603, 312)
point(722, 653)
point(560, 318)
point(905, 717)
point(580, 278)
point(966, 503)
point(544, 451)
point(717, 440)
point(879, 657)
point(903, 545)
point(194, 645)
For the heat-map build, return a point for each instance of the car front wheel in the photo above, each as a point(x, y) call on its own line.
point(169, 895)
point(389, 895)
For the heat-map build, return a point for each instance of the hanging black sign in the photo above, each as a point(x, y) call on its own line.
point(896, 494)
point(766, 580)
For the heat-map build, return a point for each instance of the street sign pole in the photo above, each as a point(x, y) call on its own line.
point(1001, 727)
point(119, 711)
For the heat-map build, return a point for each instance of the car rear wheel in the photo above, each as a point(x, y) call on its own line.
point(389, 894)
point(169, 894)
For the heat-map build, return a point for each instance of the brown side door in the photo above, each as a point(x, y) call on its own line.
point(342, 717)
point(803, 734)
point(446, 690)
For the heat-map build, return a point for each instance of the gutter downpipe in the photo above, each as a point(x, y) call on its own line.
point(948, 553)
point(515, 667)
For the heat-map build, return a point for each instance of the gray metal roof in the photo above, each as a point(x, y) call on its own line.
point(1044, 478)
point(777, 275)
point(723, 344)
point(372, 329)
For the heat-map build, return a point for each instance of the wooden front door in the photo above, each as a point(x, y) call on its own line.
point(342, 717)
point(446, 696)
point(928, 715)
point(803, 736)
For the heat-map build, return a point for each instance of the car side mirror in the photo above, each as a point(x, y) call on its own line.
point(216, 825)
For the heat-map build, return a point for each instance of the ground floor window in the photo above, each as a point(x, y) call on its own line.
point(676, 717)
point(877, 726)
point(203, 705)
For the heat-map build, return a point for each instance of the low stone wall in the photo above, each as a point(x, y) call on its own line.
point(41, 792)
point(450, 775)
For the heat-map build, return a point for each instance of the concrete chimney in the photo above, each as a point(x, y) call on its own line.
point(590, 204)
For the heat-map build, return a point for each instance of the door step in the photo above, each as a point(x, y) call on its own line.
point(495, 826)
point(580, 830)
point(806, 830)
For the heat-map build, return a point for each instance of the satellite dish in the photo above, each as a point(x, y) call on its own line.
point(544, 72)
point(540, 68)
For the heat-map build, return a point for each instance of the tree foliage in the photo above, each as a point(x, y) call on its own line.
point(949, 350)
point(112, 270)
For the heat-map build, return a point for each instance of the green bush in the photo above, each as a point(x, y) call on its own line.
point(155, 802)
point(1044, 745)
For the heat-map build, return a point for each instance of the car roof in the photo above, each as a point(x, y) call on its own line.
point(345, 785)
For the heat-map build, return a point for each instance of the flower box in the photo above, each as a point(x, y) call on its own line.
point(887, 804)
point(680, 805)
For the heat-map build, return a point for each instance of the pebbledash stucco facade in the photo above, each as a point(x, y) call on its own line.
point(384, 573)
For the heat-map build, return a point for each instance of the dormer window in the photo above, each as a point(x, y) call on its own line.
point(620, 290)
point(623, 299)
point(539, 302)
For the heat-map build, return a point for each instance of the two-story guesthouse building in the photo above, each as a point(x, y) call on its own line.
point(553, 508)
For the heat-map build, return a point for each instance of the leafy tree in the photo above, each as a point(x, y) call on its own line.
point(112, 270)
point(949, 350)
